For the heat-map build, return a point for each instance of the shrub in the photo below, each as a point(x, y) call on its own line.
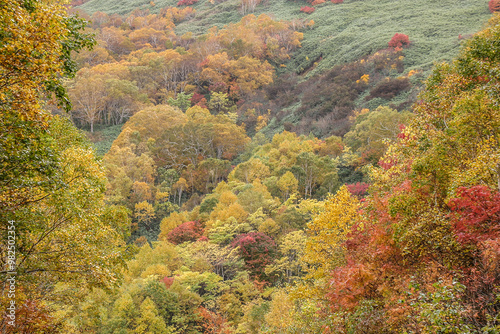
point(307, 9)
point(188, 231)
point(494, 5)
point(197, 97)
point(186, 2)
point(168, 281)
point(337, 1)
point(359, 189)
point(389, 88)
point(399, 40)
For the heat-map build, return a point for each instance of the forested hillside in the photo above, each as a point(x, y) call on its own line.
point(250, 167)
point(318, 69)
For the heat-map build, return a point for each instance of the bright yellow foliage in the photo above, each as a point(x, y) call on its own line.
point(326, 233)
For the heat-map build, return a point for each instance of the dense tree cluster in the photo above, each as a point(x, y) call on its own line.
point(140, 61)
point(421, 255)
point(195, 222)
point(417, 254)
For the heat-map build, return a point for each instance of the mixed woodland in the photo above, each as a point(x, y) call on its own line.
point(169, 168)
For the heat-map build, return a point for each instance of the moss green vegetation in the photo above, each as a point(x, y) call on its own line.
point(103, 138)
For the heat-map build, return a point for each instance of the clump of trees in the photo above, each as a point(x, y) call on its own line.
point(139, 61)
point(188, 225)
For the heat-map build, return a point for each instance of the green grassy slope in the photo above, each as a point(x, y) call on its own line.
point(358, 28)
point(344, 32)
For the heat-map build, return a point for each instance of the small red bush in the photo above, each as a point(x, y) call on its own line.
point(399, 40)
point(307, 9)
point(168, 281)
point(186, 2)
point(494, 5)
point(197, 97)
point(337, 1)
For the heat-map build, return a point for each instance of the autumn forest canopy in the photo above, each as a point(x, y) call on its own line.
point(242, 166)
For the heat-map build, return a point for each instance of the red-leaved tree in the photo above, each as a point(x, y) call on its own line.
point(476, 214)
point(257, 249)
point(359, 189)
point(475, 219)
point(188, 231)
point(213, 322)
point(168, 281)
point(307, 9)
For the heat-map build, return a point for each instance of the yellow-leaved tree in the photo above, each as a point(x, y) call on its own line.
point(324, 246)
point(66, 242)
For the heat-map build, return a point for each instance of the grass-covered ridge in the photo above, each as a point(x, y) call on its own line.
point(344, 32)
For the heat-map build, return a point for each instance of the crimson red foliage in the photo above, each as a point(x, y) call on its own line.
point(475, 219)
point(399, 40)
point(257, 249)
point(494, 5)
point(186, 2)
point(359, 189)
point(188, 231)
point(476, 215)
point(401, 134)
point(387, 163)
point(337, 1)
point(307, 9)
